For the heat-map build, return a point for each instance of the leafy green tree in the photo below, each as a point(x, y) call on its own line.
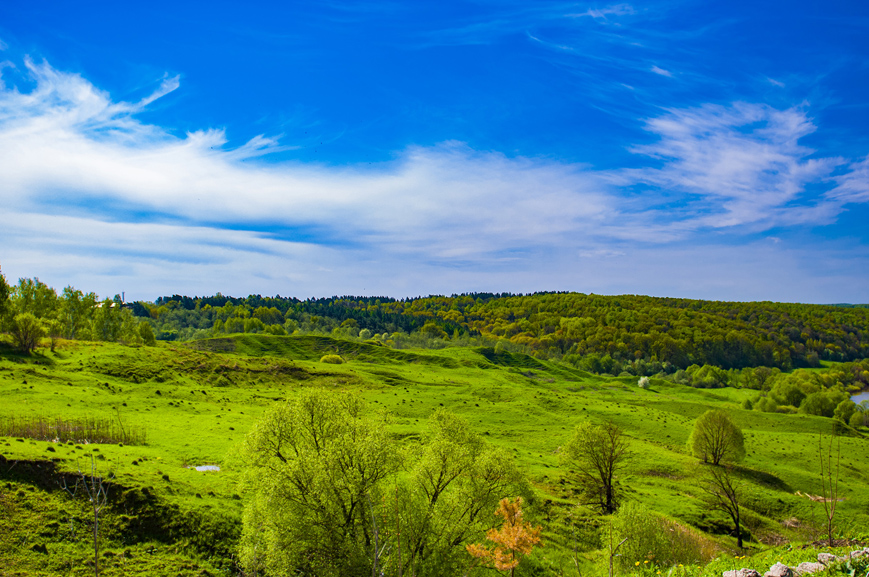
point(598, 452)
point(822, 403)
point(253, 325)
point(716, 438)
point(315, 470)
point(845, 410)
point(455, 481)
point(147, 334)
point(75, 312)
point(234, 325)
point(859, 419)
point(766, 405)
point(432, 331)
point(26, 330)
point(35, 297)
point(107, 321)
point(4, 295)
point(788, 393)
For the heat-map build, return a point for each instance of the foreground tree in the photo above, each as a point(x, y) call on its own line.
point(516, 537)
point(724, 494)
point(829, 480)
point(331, 494)
point(598, 452)
point(96, 490)
point(315, 467)
point(455, 479)
point(716, 438)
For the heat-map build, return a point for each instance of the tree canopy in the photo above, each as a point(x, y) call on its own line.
point(330, 493)
point(598, 333)
point(716, 438)
point(598, 452)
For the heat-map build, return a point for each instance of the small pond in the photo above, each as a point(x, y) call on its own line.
point(206, 468)
point(861, 397)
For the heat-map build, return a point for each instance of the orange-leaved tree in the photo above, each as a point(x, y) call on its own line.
point(515, 537)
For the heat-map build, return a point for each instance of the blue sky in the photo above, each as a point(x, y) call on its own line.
point(696, 149)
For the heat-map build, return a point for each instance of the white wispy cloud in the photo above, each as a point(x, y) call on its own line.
point(602, 13)
point(743, 164)
point(853, 185)
point(661, 72)
point(68, 144)
point(92, 194)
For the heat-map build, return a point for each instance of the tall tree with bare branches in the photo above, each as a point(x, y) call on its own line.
point(96, 491)
point(724, 493)
point(829, 480)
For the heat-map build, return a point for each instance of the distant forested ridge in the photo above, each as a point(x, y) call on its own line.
point(601, 330)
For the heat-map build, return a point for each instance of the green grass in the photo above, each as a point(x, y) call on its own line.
point(196, 401)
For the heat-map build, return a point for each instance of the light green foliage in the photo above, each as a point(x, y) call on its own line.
point(766, 405)
point(26, 330)
point(758, 378)
point(74, 314)
point(315, 470)
point(253, 325)
point(859, 419)
point(786, 392)
point(433, 331)
point(708, 376)
point(32, 307)
point(291, 326)
point(845, 410)
point(35, 297)
point(316, 477)
point(276, 330)
point(655, 540)
point(147, 334)
point(446, 501)
point(822, 403)
point(716, 438)
point(598, 452)
point(524, 407)
point(234, 325)
point(331, 359)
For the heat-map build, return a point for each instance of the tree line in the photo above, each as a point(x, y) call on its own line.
point(601, 334)
point(31, 311)
point(631, 334)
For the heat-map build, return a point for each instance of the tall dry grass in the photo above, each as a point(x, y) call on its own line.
point(77, 430)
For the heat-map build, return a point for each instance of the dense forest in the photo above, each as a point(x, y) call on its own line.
point(603, 330)
point(704, 343)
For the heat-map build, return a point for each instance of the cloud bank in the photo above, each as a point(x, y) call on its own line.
point(91, 194)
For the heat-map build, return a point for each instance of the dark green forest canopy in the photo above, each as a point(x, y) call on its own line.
point(680, 332)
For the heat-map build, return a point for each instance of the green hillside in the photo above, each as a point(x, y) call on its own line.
point(195, 401)
point(639, 334)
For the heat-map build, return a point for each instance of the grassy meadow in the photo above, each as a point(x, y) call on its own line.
point(192, 404)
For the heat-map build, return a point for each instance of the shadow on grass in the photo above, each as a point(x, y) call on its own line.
point(10, 353)
point(764, 478)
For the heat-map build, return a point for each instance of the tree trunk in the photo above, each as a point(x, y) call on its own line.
point(96, 541)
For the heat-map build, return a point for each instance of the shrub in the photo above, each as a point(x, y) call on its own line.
point(655, 539)
point(332, 359)
point(644, 383)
